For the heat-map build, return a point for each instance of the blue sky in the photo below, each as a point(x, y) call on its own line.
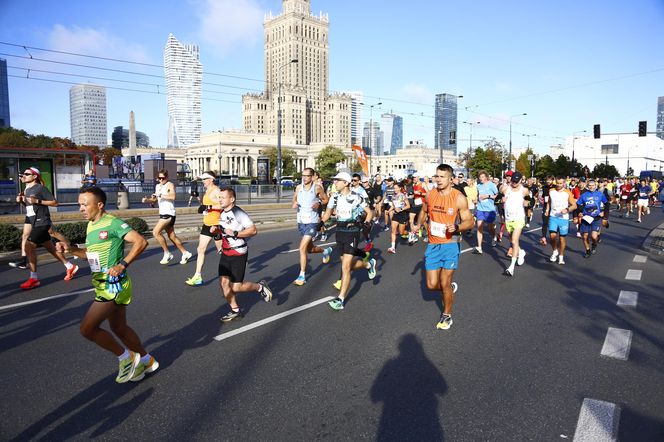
point(567, 64)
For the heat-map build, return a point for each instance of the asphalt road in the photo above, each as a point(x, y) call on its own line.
point(517, 364)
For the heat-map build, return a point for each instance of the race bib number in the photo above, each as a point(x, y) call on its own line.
point(93, 261)
point(624, 197)
point(418, 201)
point(344, 213)
point(305, 218)
point(29, 210)
point(588, 219)
point(438, 229)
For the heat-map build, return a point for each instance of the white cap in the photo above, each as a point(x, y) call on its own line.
point(205, 176)
point(343, 176)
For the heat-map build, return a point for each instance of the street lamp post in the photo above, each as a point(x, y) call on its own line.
point(509, 157)
point(470, 142)
point(279, 131)
point(573, 144)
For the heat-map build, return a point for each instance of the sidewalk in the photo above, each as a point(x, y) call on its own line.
point(654, 243)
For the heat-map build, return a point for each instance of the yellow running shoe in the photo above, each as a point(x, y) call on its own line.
point(337, 285)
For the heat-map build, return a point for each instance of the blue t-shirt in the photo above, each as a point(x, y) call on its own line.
point(592, 203)
point(644, 191)
point(486, 205)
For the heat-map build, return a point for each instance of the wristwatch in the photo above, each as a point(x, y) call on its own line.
point(235, 233)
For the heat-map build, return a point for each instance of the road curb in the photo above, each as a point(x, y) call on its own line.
point(654, 243)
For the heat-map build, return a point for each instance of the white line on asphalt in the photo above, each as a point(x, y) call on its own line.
point(230, 334)
point(34, 301)
point(318, 245)
point(628, 299)
point(617, 343)
point(640, 258)
point(598, 421)
point(634, 275)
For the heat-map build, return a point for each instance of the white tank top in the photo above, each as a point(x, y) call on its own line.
point(514, 204)
point(166, 207)
point(306, 199)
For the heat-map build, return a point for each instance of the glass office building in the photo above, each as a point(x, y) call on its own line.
point(4, 95)
point(445, 128)
point(392, 127)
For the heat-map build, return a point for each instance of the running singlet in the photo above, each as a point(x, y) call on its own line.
point(399, 201)
point(488, 204)
point(442, 210)
point(348, 208)
point(592, 203)
point(237, 220)
point(420, 192)
point(559, 201)
point(166, 207)
point(104, 242)
point(306, 199)
point(513, 201)
point(210, 217)
point(38, 214)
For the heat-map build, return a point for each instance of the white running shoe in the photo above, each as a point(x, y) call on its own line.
point(561, 260)
point(554, 256)
point(522, 257)
point(509, 271)
point(186, 256)
point(166, 259)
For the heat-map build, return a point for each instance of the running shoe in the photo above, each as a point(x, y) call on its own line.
point(368, 246)
point(494, 242)
point(415, 239)
point(71, 272)
point(578, 234)
point(300, 280)
point(593, 249)
point(561, 260)
point(527, 225)
point(477, 250)
point(405, 236)
point(166, 259)
point(323, 237)
point(587, 254)
point(638, 220)
point(386, 228)
point(144, 369)
point(371, 271)
point(445, 322)
point(554, 256)
point(194, 280)
point(509, 272)
point(30, 284)
point(265, 292)
point(326, 254)
point(336, 304)
point(19, 264)
point(455, 287)
point(367, 255)
point(337, 285)
point(231, 316)
point(128, 367)
point(392, 250)
point(522, 257)
point(186, 256)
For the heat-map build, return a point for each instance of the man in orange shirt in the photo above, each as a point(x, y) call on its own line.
point(444, 206)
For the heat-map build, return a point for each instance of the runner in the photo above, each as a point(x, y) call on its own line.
point(377, 188)
point(387, 200)
point(349, 206)
point(373, 199)
point(419, 192)
point(234, 227)
point(486, 209)
point(37, 200)
point(443, 206)
point(592, 204)
point(211, 210)
point(561, 204)
point(515, 200)
point(546, 187)
point(104, 251)
point(645, 192)
point(307, 199)
point(194, 194)
point(400, 209)
point(164, 195)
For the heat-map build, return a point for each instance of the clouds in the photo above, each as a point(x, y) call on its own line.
point(97, 42)
point(229, 25)
point(418, 94)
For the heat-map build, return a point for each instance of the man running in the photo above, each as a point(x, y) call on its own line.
point(104, 251)
point(387, 199)
point(485, 209)
point(37, 199)
point(645, 192)
point(515, 200)
point(546, 187)
point(164, 195)
point(349, 207)
point(592, 205)
point(561, 204)
point(194, 194)
point(444, 205)
point(235, 227)
point(419, 192)
point(307, 199)
point(211, 210)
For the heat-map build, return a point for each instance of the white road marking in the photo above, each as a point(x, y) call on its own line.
point(34, 301)
point(640, 258)
point(634, 275)
point(230, 334)
point(617, 343)
point(627, 298)
point(598, 421)
point(317, 245)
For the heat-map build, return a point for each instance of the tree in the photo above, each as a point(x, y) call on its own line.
point(523, 163)
point(489, 158)
point(356, 167)
point(107, 154)
point(327, 160)
point(544, 167)
point(288, 157)
point(605, 171)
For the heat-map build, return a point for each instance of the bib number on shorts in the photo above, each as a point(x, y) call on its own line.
point(438, 229)
point(29, 210)
point(93, 261)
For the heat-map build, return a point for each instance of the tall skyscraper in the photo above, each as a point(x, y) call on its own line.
point(296, 81)
point(660, 117)
point(445, 130)
point(371, 140)
point(392, 127)
point(4, 95)
point(184, 78)
point(87, 110)
point(357, 103)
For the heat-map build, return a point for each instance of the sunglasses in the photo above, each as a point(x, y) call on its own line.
point(26, 174)
point(355, 180)
point(307, 175)
point(162, 177)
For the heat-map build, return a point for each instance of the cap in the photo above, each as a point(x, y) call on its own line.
point(206, 176)
point(389, 178)
point(516, 177)
point(343, 176)
point(508, 173)
point(365, 179)
point(33, 170)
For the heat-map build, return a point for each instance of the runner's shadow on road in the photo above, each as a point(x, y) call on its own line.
point(636, 426)
point(409, 386)
point(260, 262)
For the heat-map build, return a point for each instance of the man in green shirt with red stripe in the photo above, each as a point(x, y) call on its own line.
point(104, 250)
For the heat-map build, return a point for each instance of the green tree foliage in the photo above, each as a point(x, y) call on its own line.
point(288, 157)
point(523, 164)
point(489, 158)
point(544, 167)
point(327, 159)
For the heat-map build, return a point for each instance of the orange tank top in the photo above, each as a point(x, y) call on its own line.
point(442, 210)
point(211, 217)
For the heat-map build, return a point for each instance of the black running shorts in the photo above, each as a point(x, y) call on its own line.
point(233, 266)
point(347, 242)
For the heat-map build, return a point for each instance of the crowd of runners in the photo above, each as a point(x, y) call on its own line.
point(437, 210)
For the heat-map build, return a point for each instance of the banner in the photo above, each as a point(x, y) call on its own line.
point(362, 159)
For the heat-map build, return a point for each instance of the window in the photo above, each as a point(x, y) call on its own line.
point(609, 148)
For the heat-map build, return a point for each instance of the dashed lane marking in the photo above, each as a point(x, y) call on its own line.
point(634, 275)
point(34, 301)
point(628, 299)
point(640, 258)
point(617, 343)
point(598, 421)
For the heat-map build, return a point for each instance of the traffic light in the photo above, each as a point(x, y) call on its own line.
point(596, 133)
point(643, 128)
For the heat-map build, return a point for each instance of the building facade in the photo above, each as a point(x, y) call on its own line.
point(660, 118)
point(392, 127)
point(371, 139)
point(120, 138)
point(296, 82)
point(445, 126)
point(184, 78)
point(357, 104)
point(87, 110)
point(4, 95)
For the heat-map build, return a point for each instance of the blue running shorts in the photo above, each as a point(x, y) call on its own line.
point(482, 215)
point(442, 256)
point(558, 225)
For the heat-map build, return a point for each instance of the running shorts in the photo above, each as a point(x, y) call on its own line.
point(347, 242)
point(592, 227)
point(233, 266)
point(123, 297)
point(488, 216)
point(307, 229)
point(39, 235)
point(558, 225)
point(513, 225)
point(171, 217)
point(205, 231)
point(415, 209)
point(442, 256)
point(642, 203)
point(401, 217)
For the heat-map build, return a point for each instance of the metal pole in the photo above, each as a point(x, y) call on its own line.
point(509, 157)
point(279, 145)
